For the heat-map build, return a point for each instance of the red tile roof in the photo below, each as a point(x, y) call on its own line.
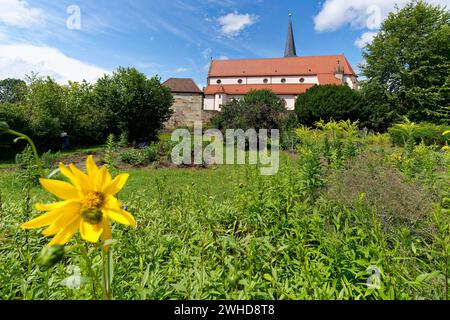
point(182, 85)
point(242, 89)
point(313, 65)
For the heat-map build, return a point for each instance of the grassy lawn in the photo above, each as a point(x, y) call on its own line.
point(226, 232)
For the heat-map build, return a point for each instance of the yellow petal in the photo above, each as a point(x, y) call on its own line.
point(66, 217)
point(52, 216)
point(51, 206)
point(102, 180)
point(92, 168)
point(66, 233)
point(85, 183)
point(120, 216)
point(117, 184)
point(107, 234)
point(70, 175)
point(61, 189)
point(42, 221)
point(90, 232)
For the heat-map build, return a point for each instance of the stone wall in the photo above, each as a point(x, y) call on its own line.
point(207, 115)
point(187, 109)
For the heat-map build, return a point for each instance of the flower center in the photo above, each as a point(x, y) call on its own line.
point(93, 200)
point(91, 207)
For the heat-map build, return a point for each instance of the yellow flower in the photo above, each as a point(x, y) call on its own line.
point(88, 204)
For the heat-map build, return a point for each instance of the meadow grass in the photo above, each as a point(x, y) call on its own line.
point(226, 232)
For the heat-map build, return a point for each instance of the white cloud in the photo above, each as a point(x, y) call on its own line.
point(233, 24)
point(358, 14)
point(18, 60)
point(224, 58)
point(365, 39)
point(182, 70)
point(18, 13)
point(3, 36)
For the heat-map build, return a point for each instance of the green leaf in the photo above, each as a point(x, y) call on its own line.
point(427, 276)
point(3, 127)
point(268, 277)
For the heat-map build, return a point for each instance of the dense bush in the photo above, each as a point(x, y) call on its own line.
point(133, 103)
point(260, 109)
point(430, 134)
point(367, 178)
point(140, 157)
point(124, 103)
point(329, 102)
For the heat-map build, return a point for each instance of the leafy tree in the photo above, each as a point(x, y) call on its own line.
point(44, 104)
point(408, 64)
point(260, 109)
point(329, 102)
point(133, 103)
point(12, 90)
point(81, 118)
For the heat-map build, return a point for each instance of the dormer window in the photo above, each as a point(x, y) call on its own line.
point(240, 81)
point(283, 80)
point(266, 80)
point(302, 80)
point(219, 81)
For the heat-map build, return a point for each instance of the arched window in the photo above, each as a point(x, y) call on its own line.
point(219, 81)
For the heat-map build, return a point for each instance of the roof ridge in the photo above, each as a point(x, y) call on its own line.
point(281, 58)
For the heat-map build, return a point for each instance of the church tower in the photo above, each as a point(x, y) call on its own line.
point(290, 50)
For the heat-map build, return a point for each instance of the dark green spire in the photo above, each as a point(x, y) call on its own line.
point(290, 42)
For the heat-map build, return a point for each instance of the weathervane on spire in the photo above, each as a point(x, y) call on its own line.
point(290, 50)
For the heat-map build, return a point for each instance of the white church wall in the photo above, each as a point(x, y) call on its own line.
point(209, 103)
point(290, 101)
point(261, 80)
point(350, 81)
point(296, 80)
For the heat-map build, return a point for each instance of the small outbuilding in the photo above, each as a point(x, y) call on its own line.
point(188, 104)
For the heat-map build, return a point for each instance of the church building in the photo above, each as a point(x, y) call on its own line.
point(287, 77)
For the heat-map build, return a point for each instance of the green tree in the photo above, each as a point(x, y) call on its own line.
point(12, 90)
point(329, 102)
point(134, 104)
point(81, 118)
point(260, 109)
point(45, 105)
point(408, 63)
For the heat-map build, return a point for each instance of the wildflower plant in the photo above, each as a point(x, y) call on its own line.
point(87, 202)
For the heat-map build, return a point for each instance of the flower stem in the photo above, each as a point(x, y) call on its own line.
point(85, 254)
point(107, 274)
point(33, 147)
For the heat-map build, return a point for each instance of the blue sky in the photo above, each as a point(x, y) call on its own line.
point(175, 38)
